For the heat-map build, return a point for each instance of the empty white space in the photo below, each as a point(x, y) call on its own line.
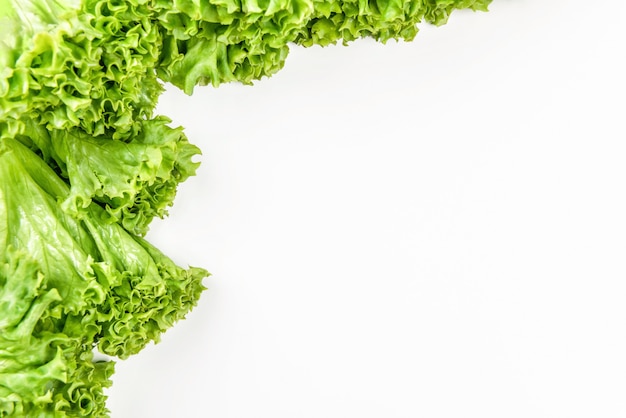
point(434, 229)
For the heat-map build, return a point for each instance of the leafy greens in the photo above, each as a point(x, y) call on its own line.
point(85, 166)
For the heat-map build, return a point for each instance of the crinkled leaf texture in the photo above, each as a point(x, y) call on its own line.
point(73, 63)
point(380, 19)
point(84, 167)
point(44, 372)
point(67, 285)
point(212, 42)
point(134, 180)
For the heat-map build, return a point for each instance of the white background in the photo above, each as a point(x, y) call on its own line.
point(429, 229)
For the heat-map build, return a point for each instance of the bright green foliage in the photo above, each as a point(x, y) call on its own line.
point(67, 63)
point(134, 181)
point(212, 42)
point(47, 370)
point(85, 166)
point(69, 284)
point(382, 20)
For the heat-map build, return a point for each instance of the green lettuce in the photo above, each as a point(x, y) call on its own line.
point(133, 180)
point(72, 63)
point(46, 370)
point(69, 285)
point(85, 167)
point(222, 41)
point(215, 42)
point(379, 19)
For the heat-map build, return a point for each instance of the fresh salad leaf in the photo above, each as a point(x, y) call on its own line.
point(222, 41)
point(134, 180)
point(71, 284)
point(85, 167)
point(73, 63)
point(46, 369)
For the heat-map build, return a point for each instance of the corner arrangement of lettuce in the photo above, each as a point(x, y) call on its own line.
point(85, 166)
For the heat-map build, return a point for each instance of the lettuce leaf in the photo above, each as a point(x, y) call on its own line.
point(222, 41)
point(85, 167)
point(134, 180)
point(72, 63)
point(382, 20)
point(216, 42)
point(44, 371)
point(68, 285)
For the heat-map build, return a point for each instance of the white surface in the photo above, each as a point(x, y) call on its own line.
point(434, 229)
